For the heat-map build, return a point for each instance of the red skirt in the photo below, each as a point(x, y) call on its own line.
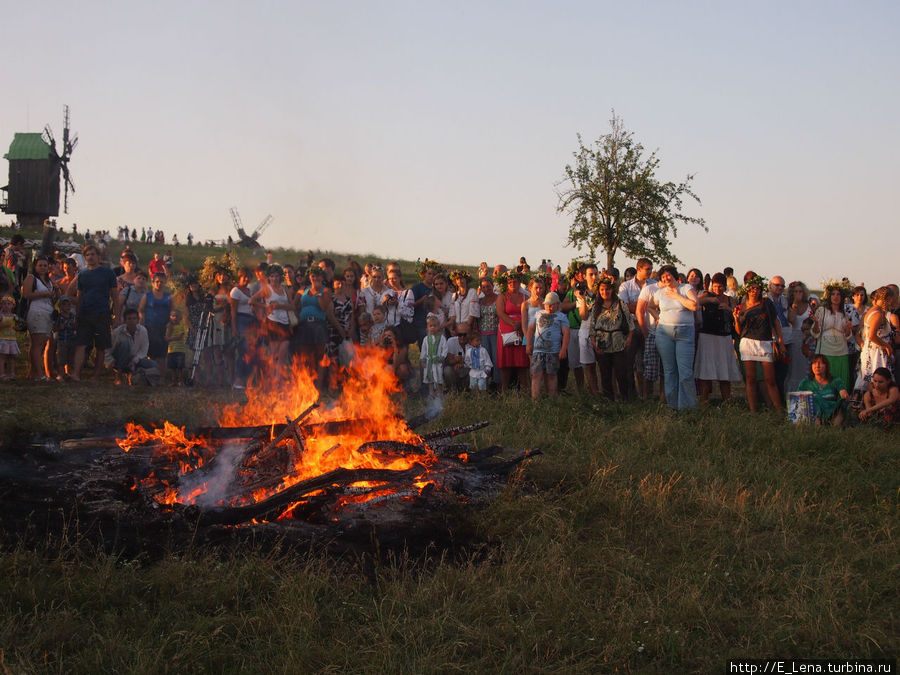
point(510, 357)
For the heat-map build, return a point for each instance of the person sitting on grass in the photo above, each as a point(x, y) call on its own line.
point(881, 401)
point(128, 355)
point(546, 343)
point(829, 393)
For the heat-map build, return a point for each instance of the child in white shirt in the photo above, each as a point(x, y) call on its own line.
point(479, 362)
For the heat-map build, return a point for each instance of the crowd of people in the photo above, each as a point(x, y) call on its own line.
point(652, 332)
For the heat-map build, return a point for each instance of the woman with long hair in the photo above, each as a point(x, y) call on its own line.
point(798, 297)
point(41, 293)
point(760, 332)
point(877, 348)
point(831, 330)
point(611, 335)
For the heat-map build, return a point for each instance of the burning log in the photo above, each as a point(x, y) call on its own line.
point(454, 431)
point(296, 492)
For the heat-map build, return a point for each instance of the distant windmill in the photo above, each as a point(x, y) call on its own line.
point(35, 165)
point(249, 240)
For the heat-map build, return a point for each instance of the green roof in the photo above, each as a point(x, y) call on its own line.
point(28, 146)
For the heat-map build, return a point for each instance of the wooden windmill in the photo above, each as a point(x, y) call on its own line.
point(35, 168)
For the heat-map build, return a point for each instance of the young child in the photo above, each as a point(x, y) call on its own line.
point(176, 334)
point(546, 343)
point(64, 328)
point(364, 323)
point(432, 355)
point(9, 348)
point(479, 363)
point(379, 315)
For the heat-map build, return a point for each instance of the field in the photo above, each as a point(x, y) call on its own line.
point(642, 540)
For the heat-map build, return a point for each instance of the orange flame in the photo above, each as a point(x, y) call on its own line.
point(366, 397)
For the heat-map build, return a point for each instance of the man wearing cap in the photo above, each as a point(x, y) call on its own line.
point(629, 293)
point(546, 343)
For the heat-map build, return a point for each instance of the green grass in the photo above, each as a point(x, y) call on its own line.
point(641, 540)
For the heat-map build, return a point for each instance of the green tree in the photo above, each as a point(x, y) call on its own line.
point(617, 202)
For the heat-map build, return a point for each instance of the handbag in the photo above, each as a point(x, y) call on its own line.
point(511, 339)
point(293, 319)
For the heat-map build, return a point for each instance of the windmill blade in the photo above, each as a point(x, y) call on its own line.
point(70, 146)
point(236, 219)
point(47, 136)
point(263, 225)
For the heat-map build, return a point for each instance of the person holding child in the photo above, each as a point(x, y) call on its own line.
point(829, 393)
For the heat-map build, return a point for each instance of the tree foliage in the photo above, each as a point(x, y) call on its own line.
point(617, 202)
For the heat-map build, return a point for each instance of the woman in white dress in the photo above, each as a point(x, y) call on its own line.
point(877, 348)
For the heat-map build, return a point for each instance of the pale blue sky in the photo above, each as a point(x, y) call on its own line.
point(439, 129)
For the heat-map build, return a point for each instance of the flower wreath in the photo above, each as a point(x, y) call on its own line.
point(755, 280)
point(428, 264)
point(845, 286)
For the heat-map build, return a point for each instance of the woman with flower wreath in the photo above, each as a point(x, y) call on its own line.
point(832, 329)
point(441, 300)
point(760, 332)
point(511, 354)
point(461, 302)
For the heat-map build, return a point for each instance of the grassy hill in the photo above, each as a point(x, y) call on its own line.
point(188, 258)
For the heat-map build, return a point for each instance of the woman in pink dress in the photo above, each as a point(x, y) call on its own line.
point(511, 354)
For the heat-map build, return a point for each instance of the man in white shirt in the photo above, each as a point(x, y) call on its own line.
point(130, 343)
point(456, 374)
point(646, 316)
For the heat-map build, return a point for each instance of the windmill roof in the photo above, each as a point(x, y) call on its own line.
point(28, 146)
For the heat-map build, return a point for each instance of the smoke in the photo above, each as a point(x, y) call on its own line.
point(217, 478)
point(434, 406)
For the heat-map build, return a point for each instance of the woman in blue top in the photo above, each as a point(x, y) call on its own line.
point(675, 337)
point(155, 309)
point(315, 309)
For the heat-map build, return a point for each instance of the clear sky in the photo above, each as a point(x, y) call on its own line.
point(439, 129)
